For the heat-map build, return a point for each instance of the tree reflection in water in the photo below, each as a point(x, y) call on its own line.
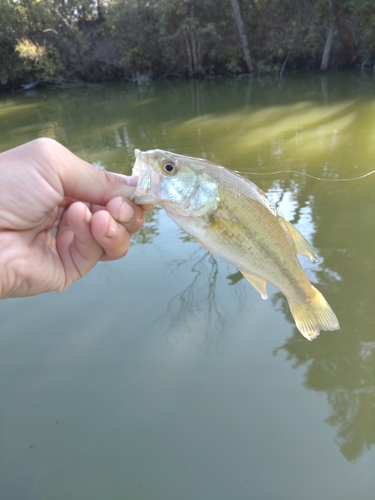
point(149, 230)
point(347, 380)
point(342, 364)
point(201, 310)
point(328, 141)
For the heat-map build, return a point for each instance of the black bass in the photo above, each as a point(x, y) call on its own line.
point(234, 219)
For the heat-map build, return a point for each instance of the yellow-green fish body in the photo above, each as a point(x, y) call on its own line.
point(234, 219)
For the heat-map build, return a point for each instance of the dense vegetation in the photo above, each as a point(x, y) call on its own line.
point(99, 40)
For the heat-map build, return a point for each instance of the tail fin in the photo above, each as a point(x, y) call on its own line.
point(314, 315)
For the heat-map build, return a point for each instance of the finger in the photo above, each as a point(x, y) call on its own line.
point(81, 180)
point(112, 236)
point(126, 213)
point(79, 251)
point(147, 208)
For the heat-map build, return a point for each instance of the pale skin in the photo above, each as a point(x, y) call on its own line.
point(59, 216)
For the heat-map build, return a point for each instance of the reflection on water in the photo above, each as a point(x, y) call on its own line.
point(149, 230)
point(200, 311)
point(345, 370)
point(286, 132)
point(349, 386)
point(323, 126)
point(341, 364)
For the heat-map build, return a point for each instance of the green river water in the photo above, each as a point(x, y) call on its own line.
point(164, 376)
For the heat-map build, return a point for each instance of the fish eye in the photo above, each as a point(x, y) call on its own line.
point(169, 168)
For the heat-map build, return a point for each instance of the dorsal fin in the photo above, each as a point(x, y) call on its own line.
point(302, 245)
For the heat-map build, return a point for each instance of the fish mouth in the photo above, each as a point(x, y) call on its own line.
point(148, 180)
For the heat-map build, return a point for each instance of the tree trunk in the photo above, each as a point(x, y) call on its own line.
point(192, 38)
point(313, 17)
point(189, 55)
point(284, 65)
point(241, 32)
point(194, 52)
point(327, 47)
point(345, 34)
point(100, 10)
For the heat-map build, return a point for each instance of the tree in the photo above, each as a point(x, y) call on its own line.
point(242, 34)
point(347, 39)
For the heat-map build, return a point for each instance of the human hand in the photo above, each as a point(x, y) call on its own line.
point(59, 216)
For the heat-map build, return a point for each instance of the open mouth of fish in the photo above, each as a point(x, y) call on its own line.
point(148, 180)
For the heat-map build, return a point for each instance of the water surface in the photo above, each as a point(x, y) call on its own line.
point(164, 375)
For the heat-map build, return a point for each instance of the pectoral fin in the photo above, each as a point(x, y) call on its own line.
point(303, 246)
point(226, 228)
point(258, 284)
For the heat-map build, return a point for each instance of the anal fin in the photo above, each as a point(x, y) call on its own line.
point(258, 284)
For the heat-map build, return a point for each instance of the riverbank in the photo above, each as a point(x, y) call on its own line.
point(144, 40)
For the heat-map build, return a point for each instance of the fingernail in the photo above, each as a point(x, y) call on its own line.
point(131, 180)
point(111, 229)
point(126, 213)
point(88, 216)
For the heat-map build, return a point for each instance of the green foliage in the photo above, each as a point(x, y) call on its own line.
point(97, 40)
point(38, 59)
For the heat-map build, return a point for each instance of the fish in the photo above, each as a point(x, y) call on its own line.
point(234, 219)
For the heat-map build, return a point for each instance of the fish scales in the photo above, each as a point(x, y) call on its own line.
point(245, 243)
point(234, 219)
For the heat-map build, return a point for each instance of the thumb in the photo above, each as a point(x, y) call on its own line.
point(81, 180)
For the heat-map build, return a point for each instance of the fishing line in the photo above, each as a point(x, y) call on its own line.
point(306, 175)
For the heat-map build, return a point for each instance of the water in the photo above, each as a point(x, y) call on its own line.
point(164, 375)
